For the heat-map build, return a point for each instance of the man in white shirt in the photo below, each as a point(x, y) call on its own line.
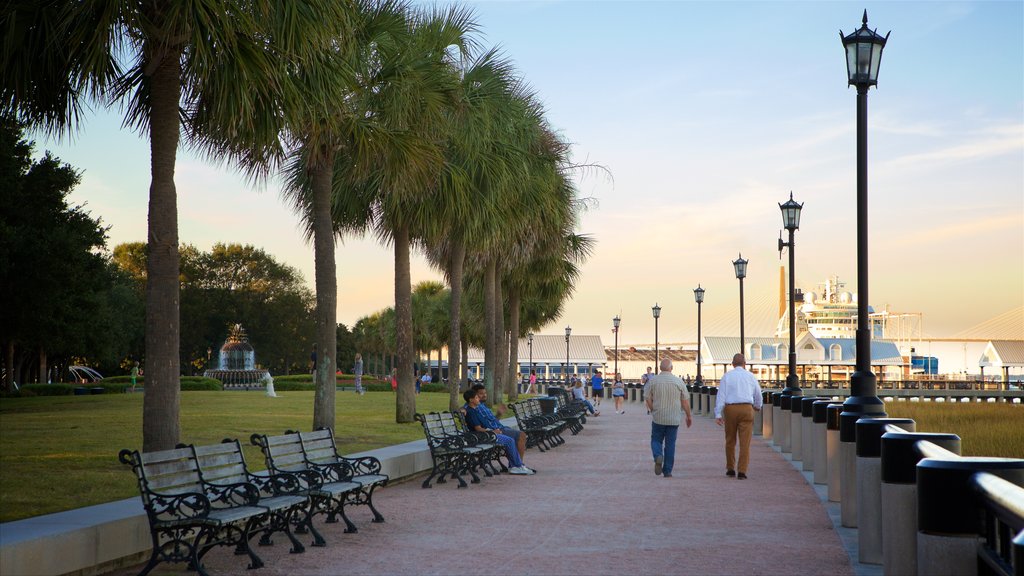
point(666, 401)
point(739, 396)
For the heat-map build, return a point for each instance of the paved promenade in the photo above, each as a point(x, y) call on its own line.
point(594, 507)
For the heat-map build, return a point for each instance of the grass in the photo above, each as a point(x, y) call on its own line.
point(985, 429)
point(59, 453)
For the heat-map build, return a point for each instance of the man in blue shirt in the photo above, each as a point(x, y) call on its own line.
point(597, 386)
point(480, 419)
point(493, 422)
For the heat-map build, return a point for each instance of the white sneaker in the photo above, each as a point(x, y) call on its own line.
point(531, 470)
point(519, 471)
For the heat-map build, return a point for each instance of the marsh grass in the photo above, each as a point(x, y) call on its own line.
point(59, 453)
point(985, 429)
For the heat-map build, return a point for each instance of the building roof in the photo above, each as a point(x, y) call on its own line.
point(632, 354)
point(1008, 353)
point(810, 350)
point(550, 349)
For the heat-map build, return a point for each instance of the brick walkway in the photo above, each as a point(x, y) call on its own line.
point(595, 507)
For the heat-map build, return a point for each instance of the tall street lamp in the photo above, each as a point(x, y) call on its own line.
point(568, 332)
point(740, 266)
point(791, 222)
point(863, 56)
point(656, 310)
point(529, 341)
point(615, 323)
point(698, 295)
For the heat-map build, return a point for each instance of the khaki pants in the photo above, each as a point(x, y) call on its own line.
point(739, 421)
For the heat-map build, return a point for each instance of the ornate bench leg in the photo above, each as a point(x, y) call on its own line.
point(377, 516)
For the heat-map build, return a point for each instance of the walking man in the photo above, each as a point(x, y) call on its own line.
point(739, 396)
point(666, 401)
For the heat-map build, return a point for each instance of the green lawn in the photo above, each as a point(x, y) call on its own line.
point(60, 452)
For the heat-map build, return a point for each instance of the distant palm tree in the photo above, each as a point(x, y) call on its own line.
point(210, 68)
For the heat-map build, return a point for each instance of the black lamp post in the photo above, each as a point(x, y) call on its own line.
point(656, 310)
point(863, 57)
point(615, 323)
point(529, 341)
point(568, 332)
point(740, 265)
point(791, 222)
point(698, 295)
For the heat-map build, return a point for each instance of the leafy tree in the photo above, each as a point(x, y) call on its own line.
point(53, 277)
point(173, 66)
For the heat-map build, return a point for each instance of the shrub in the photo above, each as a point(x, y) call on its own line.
point(293, 385)
point(197, 383)
point(433, 387)
point(28, 390)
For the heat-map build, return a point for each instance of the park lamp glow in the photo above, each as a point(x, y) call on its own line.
point(863, 54)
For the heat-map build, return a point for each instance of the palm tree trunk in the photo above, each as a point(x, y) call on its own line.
point(464, 344)
point(490, 334)
point(405, 403)
point(325, 382)
point(513, 371)
point(501, 358)
point(161, 429)
point(454, 324)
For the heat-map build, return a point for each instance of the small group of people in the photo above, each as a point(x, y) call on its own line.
point(739, 396)
point(481, 419)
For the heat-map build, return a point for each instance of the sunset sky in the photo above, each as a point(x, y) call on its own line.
point(706, 115)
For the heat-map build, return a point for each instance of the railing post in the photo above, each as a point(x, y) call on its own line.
point(796, 433)
point(900, 455)
point(777, 419)
point(949, 515)
point(784, 422)
point(766, 415)
point(848, 467)
point(806, 424)
point(869, 484)
point(712, 398)
point(819, 432)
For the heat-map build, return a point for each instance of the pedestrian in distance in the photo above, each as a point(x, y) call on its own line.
point(577, 392)
point(424, 379)
point(739, 396)
point(394, 379)
point(357, 369)
point(533, 381)
point(135, 374)
point(597, 387)
point(666, 401)
point(644, 381)
point(619, 393)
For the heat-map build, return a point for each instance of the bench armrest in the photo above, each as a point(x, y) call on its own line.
point(232, 495)
point(163, 508)
point(340, 471)
point(279, 483)
point(363, 465)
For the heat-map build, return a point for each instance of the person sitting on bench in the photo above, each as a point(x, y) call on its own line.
point(480, 419)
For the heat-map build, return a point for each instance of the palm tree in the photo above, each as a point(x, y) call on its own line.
point(173, 65)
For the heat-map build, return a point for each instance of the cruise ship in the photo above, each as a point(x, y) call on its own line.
point(829, 312)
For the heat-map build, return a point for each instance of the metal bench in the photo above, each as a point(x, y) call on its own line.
point(328, 486)
point(188, 516)
point(456, 450)
point(542, 430)
point(571, 411)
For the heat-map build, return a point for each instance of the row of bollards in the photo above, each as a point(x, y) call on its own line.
point(918, 506)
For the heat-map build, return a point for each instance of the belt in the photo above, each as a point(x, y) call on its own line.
point(740, 404)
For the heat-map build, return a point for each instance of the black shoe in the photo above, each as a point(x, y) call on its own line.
point(742, 476)
point(730, 473)
point(668, 475)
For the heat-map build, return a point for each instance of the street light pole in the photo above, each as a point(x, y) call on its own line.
point(529, 340)
point(656, 310)
point(740, 266)
point(615, 323)
point(863, 57)
point(698, 295)
point(791, 221)
point(568, 332)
